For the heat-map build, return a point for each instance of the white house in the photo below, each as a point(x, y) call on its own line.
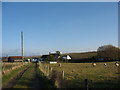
point(66, 57)
point(28, 60)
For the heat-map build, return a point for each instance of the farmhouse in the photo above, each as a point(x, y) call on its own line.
point(55, 56)
point(44, 57)
point(15, 59)
point(66, 57)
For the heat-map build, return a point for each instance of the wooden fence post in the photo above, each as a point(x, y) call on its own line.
point(62, 74)
point(48, 72)
point(59, 64)
point(86, 84)
point(11, 66)
point(39, 64)
point(51, 72)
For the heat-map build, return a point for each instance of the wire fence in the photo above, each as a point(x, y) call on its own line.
point(57, 77)
point(9, 66)
point(61, 79)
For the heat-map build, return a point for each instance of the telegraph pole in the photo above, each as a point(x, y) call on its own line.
point(22, 48)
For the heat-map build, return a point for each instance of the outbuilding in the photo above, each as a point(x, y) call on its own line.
point(66, 57)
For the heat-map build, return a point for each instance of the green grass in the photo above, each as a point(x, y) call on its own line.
point(45, 82)
point(7, 77)
point(25, 79)
point(33, 78)
point(101, 76)
point(9, 65)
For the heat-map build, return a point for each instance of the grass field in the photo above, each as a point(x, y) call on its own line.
point(99, 76)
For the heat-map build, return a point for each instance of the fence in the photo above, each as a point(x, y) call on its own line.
point(7, 67)
point(57, 77)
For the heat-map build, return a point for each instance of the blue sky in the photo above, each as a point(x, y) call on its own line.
point(67, 27)
point(0, 29)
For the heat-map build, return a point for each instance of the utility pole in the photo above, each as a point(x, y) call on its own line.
point(22, 48)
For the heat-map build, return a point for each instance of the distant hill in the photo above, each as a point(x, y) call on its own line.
point(85, 55)
point(75, 56)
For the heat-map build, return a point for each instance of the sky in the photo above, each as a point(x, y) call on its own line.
point(61, 26)
point(0, 29)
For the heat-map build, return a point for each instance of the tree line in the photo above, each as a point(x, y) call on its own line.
point(108, 52)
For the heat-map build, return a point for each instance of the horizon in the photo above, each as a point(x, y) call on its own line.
point(65, 27)
point(52, 52)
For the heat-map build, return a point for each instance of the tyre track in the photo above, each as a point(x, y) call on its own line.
point(13, 81)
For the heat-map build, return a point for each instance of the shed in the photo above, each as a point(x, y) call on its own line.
point(67, 57)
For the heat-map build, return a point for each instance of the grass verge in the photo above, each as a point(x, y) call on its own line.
point(24, 81)
point(8, 77)
point(34, 79)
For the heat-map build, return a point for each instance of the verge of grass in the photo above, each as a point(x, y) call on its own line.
point(46, 83)
point(8, 77)
point(28, 80)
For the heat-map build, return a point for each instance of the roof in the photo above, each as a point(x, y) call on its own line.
point(44, 56)
point(18, 57)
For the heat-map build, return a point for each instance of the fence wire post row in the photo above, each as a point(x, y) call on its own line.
point(56, 77)
point(7, 67)
point(86, 84)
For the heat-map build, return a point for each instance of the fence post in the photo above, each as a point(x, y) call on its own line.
point(39, 64)
point(46, 69)
point(48, 72)
point(3, 68)
point(51, 69)
point(86, 84)
point(62, 74)
point(40, 67)
point(59, 64)
point(51, 72)
point(12, 66)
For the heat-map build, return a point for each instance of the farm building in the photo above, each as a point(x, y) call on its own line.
point(55, 56)
point(44, 57)
point(12, 59)
point(15, 58)
point(35, 60)
point(66, 57)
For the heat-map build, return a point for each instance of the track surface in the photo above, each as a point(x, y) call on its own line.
point(13, 81)
point(31, 77)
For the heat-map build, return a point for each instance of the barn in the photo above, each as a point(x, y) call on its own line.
point(66, 57)
point(15, 59)
point(44, 57)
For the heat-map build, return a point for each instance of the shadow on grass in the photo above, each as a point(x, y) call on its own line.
point(33, 79)
point(104, 84)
